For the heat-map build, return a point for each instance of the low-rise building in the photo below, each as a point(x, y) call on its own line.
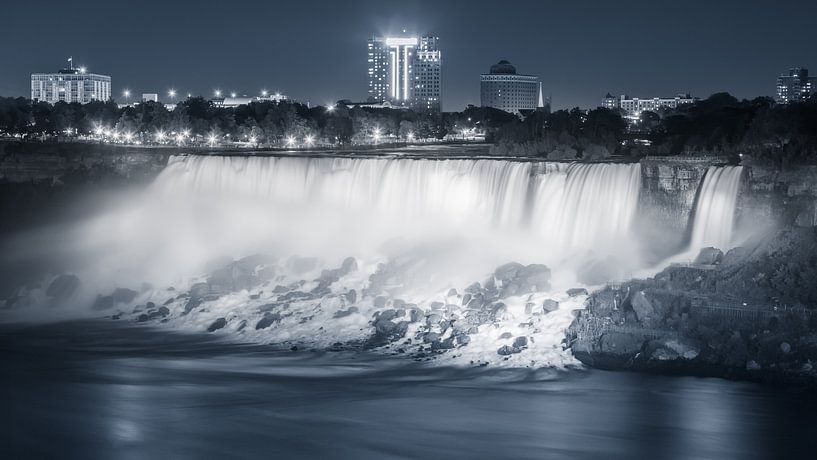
point(633, 106)
point(74, 84)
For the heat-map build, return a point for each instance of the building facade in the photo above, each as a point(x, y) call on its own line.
point(70, 85)
point(405, 71)
point(502, 88)
point(796, 86)
point(633, 106)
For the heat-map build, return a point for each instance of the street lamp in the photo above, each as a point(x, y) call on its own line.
point(218, 93)
point(211, 139)
point(264, 92)
point(410, 136)
point(290, 141)
point(376, 135)
point(330, 108)
point(309, 140)
point(232, 95)
point(126, 93)
point(172, 94)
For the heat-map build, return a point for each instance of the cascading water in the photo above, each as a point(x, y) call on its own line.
point(715, 209)
point(408, 230)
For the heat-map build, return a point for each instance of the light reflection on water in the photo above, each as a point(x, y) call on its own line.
point(95, 390)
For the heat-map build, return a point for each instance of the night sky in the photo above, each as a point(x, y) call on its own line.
point(316, 51)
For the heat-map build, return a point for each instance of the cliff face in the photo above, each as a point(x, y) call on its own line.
point(42, 183)
point(669, 186)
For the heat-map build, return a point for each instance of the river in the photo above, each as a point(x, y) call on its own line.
point(102, 389)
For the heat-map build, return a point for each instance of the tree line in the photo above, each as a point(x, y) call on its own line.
point(720, 125)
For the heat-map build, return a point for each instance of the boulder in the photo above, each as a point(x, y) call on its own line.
point(268, 320)
point(515, 279)
point(123, 295)
point(709, 256)
point(643, 308)
point(217, 324)
point(520, 342)
point(506, 350)
point(574, 292)
point(550, 305)
point(62, 287)
point(345, 313)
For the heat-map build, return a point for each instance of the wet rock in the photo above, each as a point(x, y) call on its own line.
point(709, 256)
point(499, 311)
point(345, 313)
point(268, 320)
point(463, 339)
point(163, 311)
point(505, 335)
point(242, 325)
point(573, 292)
point(192, 303)
point(437, 305)
point(430, 337)
point(643, 308)
point(398, 303)
point(550, 305)
point(473, 288)
point(520, 342)
point(506, 350)
point(529, 308)
point(515, 279)
point(62, 287)
point(217, 324)
point(388, 331)
point(465, 299)
point(452, 292)
point(199, 290)
point(620, 344)
point(295, 296)
point(351, 296)
point(433, 319)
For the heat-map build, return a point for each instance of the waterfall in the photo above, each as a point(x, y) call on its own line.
point(568, 205)
point(715, 209)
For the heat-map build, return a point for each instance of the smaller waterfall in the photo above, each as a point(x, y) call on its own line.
point(715, 211)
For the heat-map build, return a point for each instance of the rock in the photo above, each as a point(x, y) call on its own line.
point(465, 299)
point(345, 313)
point(62, 287)
point(463, 339)
point(505, 350)
point(163, 311)
point(529, 308)
point(515, 279)
point(388, 331)
point(433, 319)
point(398, 303)
point(620, 344)
point(473, 288)
point(268, 320)
point(351, 296)
point(785, 347)
point(505, 335)
point(573, 292)
point(452, 292)
point(430, 337)
point(550, 305)
point(643, 308)
point(437, 305)
point(709, 256)
point(192, 303)
point(217, 324)
point(520, 342)
point(386, 315)
point(498, 311)
point(199, 290)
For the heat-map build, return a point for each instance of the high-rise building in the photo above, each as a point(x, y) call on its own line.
point(633, 106)
point(427, 85)
point(502, 88)
point(796, 86)
point(74, 84)
point(405, 71)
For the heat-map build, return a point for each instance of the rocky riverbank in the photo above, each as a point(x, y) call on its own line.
point(746, 314)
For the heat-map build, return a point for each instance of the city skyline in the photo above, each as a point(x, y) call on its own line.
point(153, 49)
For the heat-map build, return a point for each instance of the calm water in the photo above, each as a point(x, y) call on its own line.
point(102, 390)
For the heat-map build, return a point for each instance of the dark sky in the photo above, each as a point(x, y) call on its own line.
point(316, 50)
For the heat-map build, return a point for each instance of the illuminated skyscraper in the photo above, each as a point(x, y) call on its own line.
point(405, 71)
point(796, 86)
